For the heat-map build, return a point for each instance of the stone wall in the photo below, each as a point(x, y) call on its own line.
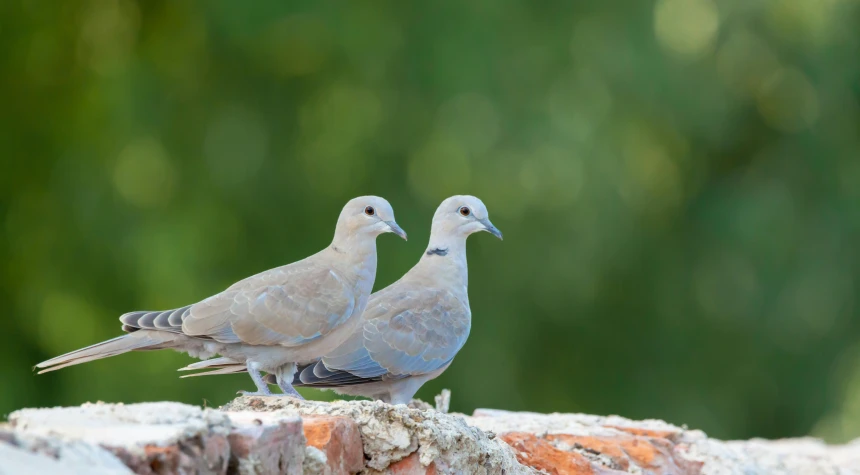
point(256, 435)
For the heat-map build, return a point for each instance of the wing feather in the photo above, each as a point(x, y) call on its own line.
point(288, 306)
point(409, 330)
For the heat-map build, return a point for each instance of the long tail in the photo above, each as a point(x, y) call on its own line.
point(138, 340)
point(223, 370)
point(217, 365)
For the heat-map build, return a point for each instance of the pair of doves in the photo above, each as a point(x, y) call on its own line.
point(314, 322)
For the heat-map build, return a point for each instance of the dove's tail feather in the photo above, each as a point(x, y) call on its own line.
point(231, 369)
point(212, 363)
point(122, 344)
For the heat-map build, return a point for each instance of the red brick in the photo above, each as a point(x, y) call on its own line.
point(339, 438)
point(264, 443)
point(653, 455)
point(411, 466)
point(541, 455)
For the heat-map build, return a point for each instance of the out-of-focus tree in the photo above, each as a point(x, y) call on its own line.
point(677, 182)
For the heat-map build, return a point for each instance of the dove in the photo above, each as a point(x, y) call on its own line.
point(273, 320)
point(412, 329)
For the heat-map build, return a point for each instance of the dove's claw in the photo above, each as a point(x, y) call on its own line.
point(284, 383)
point(293, 394)
point(254, 372)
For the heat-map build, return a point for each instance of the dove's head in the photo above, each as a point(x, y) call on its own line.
point(367, 216)
point(462, 215)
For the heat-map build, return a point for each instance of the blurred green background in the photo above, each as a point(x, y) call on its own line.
point(677, 181)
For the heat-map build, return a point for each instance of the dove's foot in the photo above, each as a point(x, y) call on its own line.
point(290, 392)
point(284, 378)
point(254, 372)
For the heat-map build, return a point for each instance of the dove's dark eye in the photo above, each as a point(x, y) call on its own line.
point(464, 211)
point(369, 211)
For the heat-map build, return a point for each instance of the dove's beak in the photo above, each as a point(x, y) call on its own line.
point(394, 228)
point(488, 226)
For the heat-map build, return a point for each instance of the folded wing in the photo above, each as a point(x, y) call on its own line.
point(288, 306)
point(407, 332)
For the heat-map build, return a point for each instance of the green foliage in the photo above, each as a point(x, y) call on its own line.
point(677, 182)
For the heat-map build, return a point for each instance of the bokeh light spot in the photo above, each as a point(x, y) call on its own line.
point(108, 34)
point(803, 21)
point(652, 181)
point(340, 117)
point(578, 103)
point(842, 423)
point(143, 174)
point(686, 28)
point(297, 45)
point(744, 61)
point(560, 176)
point(787, 101)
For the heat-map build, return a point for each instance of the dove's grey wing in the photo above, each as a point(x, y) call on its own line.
point(352, 354)
point(407, 332)
point(289, 306)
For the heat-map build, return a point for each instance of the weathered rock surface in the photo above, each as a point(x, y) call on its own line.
point(390, 434)
point(338, 439)
point(259, 435)
point(159, 437)
point(263, 443)
point(24, 454)
point(585, 444)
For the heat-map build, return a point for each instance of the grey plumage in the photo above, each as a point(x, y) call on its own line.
point(412, 329)
point(105, 349)
point(270, 321)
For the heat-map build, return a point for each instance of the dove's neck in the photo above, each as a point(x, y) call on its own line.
point(447, 257)
point(355, 256)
